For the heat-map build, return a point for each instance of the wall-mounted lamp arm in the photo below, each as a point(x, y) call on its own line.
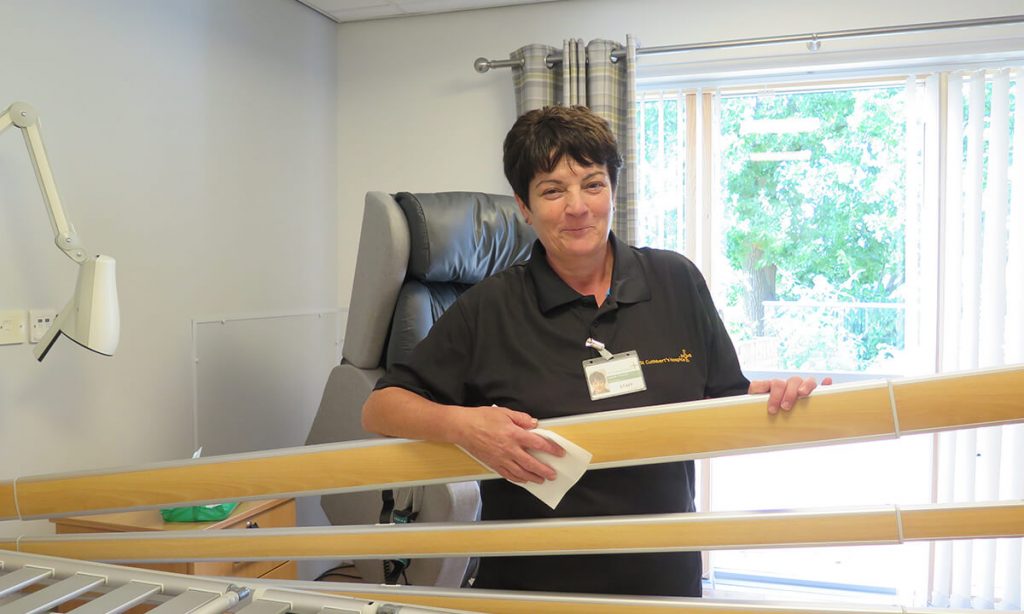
point(24, 116)
point(92, 316)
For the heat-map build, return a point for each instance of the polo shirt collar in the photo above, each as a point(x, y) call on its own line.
point(629, 283)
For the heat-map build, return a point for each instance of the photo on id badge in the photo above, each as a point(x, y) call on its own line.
point(614, 377)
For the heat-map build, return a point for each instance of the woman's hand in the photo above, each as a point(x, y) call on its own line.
point(500, 437)
point(783, 393)
point(497, 436)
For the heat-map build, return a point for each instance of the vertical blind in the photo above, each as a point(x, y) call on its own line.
point(982, 274)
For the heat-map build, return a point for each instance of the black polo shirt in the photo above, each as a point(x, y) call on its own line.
point(516, 340)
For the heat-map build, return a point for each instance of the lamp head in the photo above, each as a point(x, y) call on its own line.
point(92, 317)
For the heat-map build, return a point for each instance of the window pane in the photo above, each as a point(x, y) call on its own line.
point(810, 270)
point(661, 116)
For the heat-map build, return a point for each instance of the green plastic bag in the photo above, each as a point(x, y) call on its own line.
point(198, 513)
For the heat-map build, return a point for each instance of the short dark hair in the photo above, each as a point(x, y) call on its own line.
point(540, 139)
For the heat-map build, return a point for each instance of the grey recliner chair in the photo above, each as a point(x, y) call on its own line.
point(417, 254)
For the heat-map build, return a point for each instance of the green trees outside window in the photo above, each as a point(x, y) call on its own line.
point(809, 197)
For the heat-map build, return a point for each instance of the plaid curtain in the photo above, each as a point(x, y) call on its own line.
point(536, 83)
point(574, 72)
point(587, 76)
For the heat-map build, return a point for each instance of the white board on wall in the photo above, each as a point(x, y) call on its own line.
point(259, 379)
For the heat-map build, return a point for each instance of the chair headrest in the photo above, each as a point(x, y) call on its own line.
point(463, 237)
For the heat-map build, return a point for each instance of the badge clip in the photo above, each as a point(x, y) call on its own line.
point(597, 345)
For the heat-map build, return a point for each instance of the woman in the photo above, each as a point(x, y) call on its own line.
point(517, 347)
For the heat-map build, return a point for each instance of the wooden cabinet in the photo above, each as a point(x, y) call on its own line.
point(272, 513)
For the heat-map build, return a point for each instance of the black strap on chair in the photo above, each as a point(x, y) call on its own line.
point(395, 568)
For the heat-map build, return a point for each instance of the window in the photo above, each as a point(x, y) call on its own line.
point(839, 237)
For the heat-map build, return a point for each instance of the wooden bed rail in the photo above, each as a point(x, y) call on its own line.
point(864, 411)
point(653, 533)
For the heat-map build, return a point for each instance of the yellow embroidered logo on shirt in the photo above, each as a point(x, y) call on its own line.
point(684, 356)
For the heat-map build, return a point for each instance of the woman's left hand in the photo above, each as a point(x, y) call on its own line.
point(784, 393)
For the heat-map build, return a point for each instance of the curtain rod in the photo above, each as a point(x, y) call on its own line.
point(813, 40)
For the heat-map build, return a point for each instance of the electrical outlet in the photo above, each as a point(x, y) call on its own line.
point(13, 327)
point(41, 320)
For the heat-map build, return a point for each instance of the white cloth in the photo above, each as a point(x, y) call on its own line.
point(568, 469)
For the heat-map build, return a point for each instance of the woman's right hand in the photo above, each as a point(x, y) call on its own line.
point(497, 436)
point(500, 437)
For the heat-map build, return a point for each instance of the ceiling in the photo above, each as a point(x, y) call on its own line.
point(360, 10)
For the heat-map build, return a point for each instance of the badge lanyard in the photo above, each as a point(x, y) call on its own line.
point(612, 375)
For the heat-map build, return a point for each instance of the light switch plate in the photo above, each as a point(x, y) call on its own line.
point(13, 326)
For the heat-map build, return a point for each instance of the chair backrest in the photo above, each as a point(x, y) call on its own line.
point(417, 254)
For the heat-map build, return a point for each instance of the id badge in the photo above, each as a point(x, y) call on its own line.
point(611, 377)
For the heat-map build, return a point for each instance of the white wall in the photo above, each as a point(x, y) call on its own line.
point(415, 116)
point(194, 141)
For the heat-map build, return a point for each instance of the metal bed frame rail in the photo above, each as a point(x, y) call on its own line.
point(31, 584)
